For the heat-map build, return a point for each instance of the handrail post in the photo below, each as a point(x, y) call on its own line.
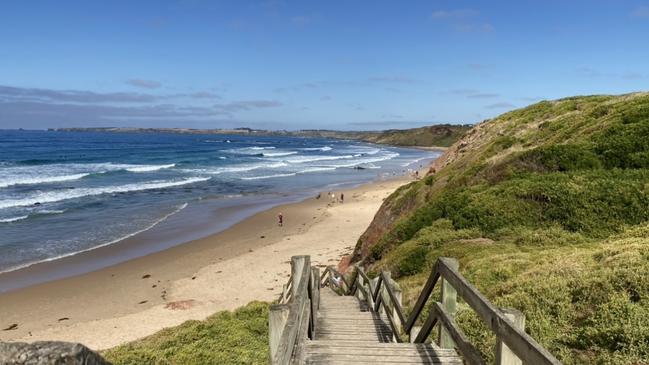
point(314, 290)
point(370, 299)
point(449, 303)
point(505, 356)
point(398, 294)
point(414, 331)
point(359, 283)
point(276, 322)
point(297, 265)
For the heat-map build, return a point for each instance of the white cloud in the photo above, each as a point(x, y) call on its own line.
point(146, 84)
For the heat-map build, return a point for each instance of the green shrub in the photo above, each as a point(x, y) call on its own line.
point(239, 337)
point(429, 180)
point(557, 158)
point(625, 144)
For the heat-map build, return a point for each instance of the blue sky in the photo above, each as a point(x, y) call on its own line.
point(309, 64)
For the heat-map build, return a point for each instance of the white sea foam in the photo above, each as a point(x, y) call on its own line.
point(162, 219)
point(323, 149)
point(241, 168)
point(268, 176)
point(149, 168)
point(13, 219)
point(304, 159)
point(33, 180)
point(55, 173)
point(305, 171)
point(51, 211)
point(364, 161)
point(56, 196)
point(279, 154)
point(249, 150)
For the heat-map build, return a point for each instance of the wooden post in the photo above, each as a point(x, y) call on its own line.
point(284, 293)
point(414, 331)
point(398, 294)
point(314, 287)
point(359, 283)
point(381, 297)
point(297, 265)
point(372, 286)
point(449, 303)
point(505, 356)
point(276, 323)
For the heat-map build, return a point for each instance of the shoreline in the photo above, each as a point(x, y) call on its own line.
point(244, 262)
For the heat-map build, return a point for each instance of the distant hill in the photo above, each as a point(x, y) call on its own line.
point(547, 210)
point(442, 135)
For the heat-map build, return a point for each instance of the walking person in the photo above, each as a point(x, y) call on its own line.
point(280, 220)
point(342, 197)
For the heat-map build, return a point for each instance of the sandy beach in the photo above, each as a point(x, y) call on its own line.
point(248, 261)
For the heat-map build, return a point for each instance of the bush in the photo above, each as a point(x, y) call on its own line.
point(625, 145)
point(239, 337)
point(558, 158)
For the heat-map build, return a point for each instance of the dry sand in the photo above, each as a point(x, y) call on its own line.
point(249, 261)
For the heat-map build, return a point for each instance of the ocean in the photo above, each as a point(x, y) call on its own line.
point(62, 193)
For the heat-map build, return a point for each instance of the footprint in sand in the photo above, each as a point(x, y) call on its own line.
point(146, 276)
point(142, 302)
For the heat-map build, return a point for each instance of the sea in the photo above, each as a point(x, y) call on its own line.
point(63, 193)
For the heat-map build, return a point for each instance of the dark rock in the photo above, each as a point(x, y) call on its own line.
point(48, 353)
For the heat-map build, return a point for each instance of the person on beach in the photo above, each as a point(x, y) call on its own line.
point(280, 220)
point(342, 197)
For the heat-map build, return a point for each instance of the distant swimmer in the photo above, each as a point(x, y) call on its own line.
point(280, 220)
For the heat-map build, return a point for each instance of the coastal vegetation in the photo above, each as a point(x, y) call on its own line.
point(239, 337)
point(547, 210)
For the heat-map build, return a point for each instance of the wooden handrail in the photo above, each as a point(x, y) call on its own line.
point(519, 342)
point(289, 331)
point(524, 346)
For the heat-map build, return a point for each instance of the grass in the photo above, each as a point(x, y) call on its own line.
point(239, 337)
point(547, 210)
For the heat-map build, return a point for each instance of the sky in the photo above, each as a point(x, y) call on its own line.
point(273, 64)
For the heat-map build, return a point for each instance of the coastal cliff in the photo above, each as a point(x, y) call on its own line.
point(546, 208)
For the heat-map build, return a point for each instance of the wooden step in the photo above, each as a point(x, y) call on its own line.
point(333, 358)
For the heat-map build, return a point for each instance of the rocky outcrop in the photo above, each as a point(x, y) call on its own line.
point(48, 353)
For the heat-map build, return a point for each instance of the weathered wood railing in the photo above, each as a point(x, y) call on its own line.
point(513, 346)
point(293, 319)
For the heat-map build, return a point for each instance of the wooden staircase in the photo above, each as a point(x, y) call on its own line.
point(348, 332)
point(333, 319)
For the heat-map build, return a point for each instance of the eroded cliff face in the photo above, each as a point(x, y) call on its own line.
point(406, 199)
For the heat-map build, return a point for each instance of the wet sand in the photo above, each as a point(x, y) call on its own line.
point(248, 261)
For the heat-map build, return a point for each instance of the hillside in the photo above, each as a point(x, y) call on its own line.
point(442, 135)
point(547, 209)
